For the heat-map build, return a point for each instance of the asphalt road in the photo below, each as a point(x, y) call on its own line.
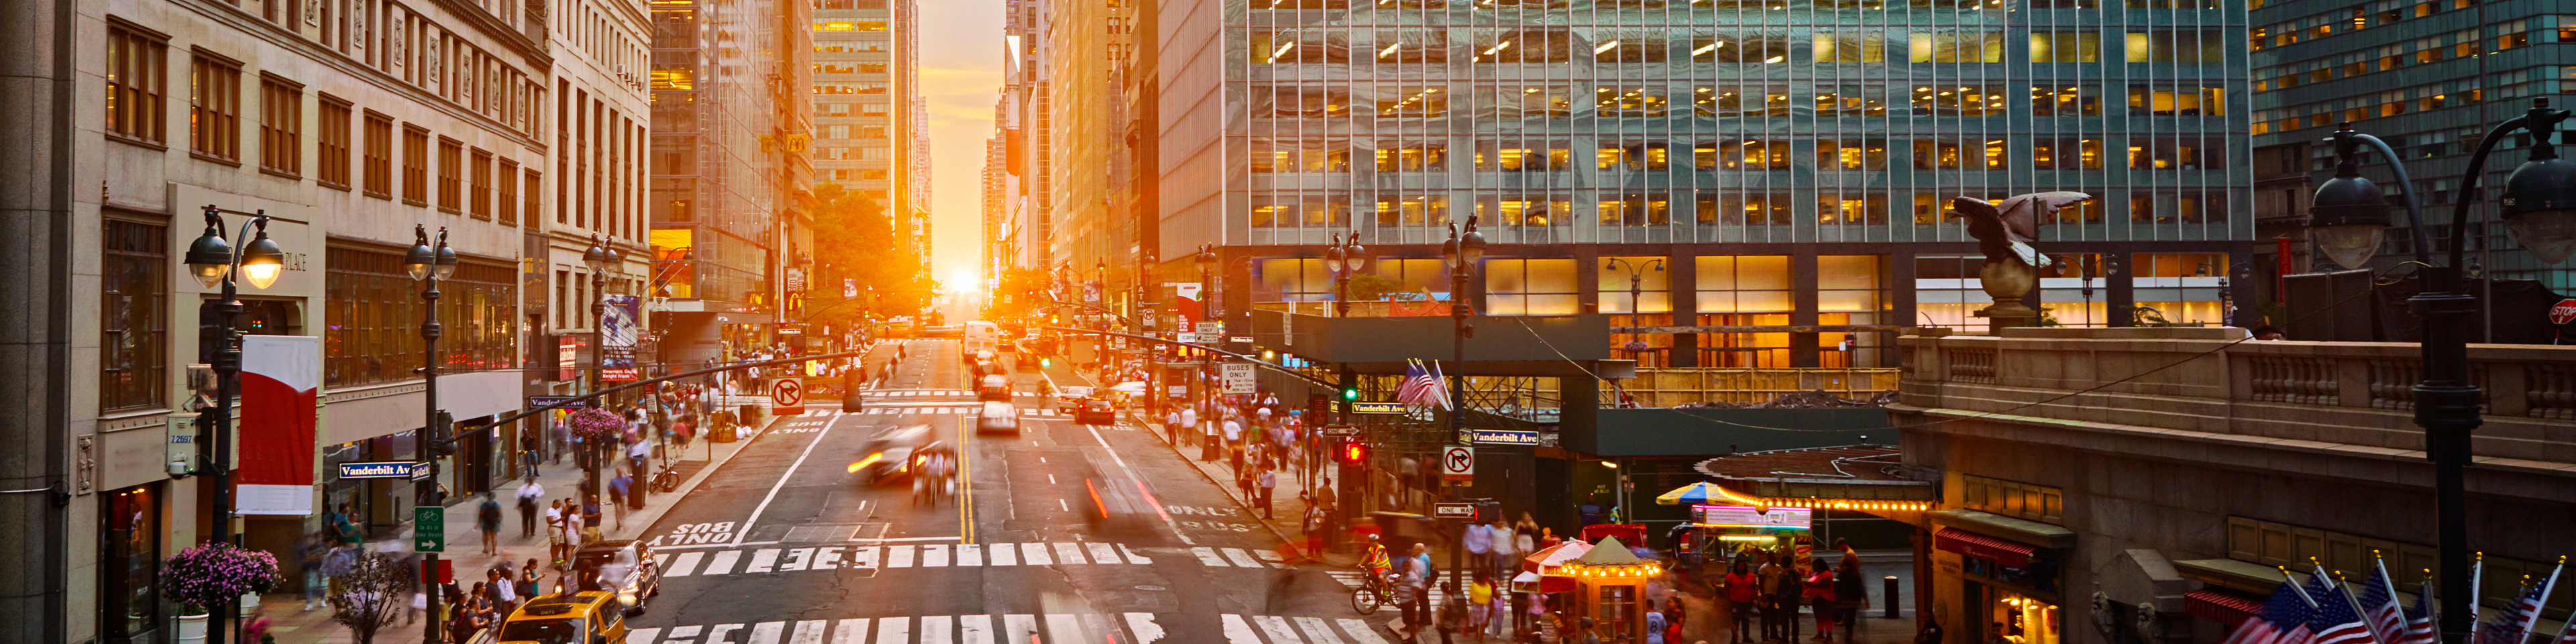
point(785, 546)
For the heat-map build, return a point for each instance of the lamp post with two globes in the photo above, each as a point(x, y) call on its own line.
point(216, 264)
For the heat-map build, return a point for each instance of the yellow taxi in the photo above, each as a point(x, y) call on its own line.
point(591, 617)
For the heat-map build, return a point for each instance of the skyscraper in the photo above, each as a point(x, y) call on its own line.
point(1791, 161)
point(730, 140)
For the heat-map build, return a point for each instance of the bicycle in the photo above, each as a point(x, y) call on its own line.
point(1375, 591)
point(666, 480)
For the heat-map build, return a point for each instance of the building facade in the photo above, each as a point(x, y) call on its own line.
point(2430, 78)
point(1790, 163)
point(731, 98)
point(600, 96)
point(866, 89)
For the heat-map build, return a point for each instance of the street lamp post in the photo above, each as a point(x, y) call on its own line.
point(429, 266)
point(216, 265)
point(601, 258)
point(2350, 219)
point(1207, 260)
point(1636, 294)
point(1345, 258)
point(1463, 252)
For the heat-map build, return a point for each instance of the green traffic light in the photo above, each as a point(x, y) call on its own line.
point(1350, 394)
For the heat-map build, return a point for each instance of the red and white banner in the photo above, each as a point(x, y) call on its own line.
point(280, 377)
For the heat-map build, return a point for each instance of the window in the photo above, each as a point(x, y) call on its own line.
point(281, 125)
point(1525, 102)
point(1629, 101)
point(2065, 46)
point(529, 193)
point(1634, 209)
point(2066, 154)
point(1734, 208)
point(1531, 287)
point(1851, 208)
point(479, 202)
point(1955, 46)
point(1743, 284)
point(451, 175)
point(2066, 100)
point(1431, 157)
point(1849, 291)
point(1936, 154)
point(373, 310)
point(1633, 47)
point(1653, 285)
point(379, 156)
point(2160, 99)
point(1412, 210)
point(1962, 100)
point(1527, 210)
point(1851, 154)
point(2018, 500)
point(415, 166)
point(506, 195)
point(1301, 211)
point(1412, 102)
point(1515, 156)
point(132, 278)
point(138, 69)
point(2185, 153)
point(1635, 157)
point(1754, 155)
point(872, 68)
point(1850, 46)
point(2176, 46)
point(1527, 46)
point(214, 107)
point(1852, 99)
point(331, 162)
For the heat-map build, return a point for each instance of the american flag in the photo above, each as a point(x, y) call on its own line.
point(2283, 619)
point(1419, 386)
point(2420, 628)
point(2379, 606)
point(2514, 625)
point(2334, 622)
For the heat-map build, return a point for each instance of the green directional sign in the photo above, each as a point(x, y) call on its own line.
point(428, 528)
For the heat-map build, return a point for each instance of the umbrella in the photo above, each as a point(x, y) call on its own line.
point(1546, 560)
point(1693, 494)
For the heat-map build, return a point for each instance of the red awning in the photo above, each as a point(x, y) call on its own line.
point(2009, 554)
point(2221, 606)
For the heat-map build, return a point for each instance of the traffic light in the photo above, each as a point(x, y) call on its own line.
point(440, 443)
point(1351, 452)
point(1350, 393)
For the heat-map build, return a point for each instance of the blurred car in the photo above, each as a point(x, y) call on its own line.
point(626, 567)
point(1069, 396)
point(998, 416)
point(1113, 500)
point(890, 455)
point(1095, 411)
point(993, 387)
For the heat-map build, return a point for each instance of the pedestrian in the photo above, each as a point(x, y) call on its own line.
point(618, 489)
point(1655, 627)
point(1478, 541)
point(528, 494)
point(1415, 581)
point(590, 518)
point(1788, 594)
point(559, 438)
point(528, 578)
point(1269, 483)
point(529, 445)
point(1849, 596)
point(487, 518)
point(555, 531)
point(1742, 590)
point(1233, 442)
point(1480, 602)
point(345, 527)
point(309, 555)
point(1585, 627)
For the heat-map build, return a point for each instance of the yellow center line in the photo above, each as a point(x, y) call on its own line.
point(965, 485)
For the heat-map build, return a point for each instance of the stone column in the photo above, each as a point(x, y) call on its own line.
point(37, 107)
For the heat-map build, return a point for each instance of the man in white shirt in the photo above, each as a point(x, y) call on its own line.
point(528, 496)
point(1479, 542)
point(555, 530)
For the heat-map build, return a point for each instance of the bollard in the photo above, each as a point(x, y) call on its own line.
point(1889, 592)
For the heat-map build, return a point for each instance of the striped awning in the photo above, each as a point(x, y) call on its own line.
point(2007, 553)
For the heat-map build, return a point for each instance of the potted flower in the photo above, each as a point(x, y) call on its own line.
point(208, 575)
point(596, 426)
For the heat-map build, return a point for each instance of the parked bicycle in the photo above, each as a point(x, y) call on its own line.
point(666, 480)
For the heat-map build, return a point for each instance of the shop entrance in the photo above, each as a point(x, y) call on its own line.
point(2012, 618)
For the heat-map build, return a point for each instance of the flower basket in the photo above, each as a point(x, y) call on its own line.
point(208, 575)
point(594, 425)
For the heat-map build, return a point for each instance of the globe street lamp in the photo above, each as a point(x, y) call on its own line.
point(1463, 252)
point(428, 266)
point(601, 258)
point(1636, 293)
point(216, 264)
point(2350, 218)
point(1346, 258)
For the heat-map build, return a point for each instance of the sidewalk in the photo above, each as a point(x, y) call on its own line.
point(291, 624)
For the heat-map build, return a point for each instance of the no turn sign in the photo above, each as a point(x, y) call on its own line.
point(1457, 463)
point(786, 397)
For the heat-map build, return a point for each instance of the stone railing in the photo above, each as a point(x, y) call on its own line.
point(1675, 386)
point(2203, 379)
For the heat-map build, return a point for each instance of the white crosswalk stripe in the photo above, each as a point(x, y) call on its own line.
point(704, 563)
point(928, 408)
point(1053, 628)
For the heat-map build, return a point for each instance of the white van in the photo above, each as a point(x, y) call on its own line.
point(980, 335)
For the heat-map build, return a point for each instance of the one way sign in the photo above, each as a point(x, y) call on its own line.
point(1458, 463)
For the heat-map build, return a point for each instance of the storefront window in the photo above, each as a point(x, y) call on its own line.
point(130, 565)
point(2022, 620)
point(1849, 291)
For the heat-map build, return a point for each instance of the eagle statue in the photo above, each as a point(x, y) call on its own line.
point(2006, 229)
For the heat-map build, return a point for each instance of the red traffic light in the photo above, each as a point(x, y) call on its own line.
point(1352, 452)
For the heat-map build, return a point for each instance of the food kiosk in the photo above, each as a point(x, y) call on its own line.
point(1610, 587)
point(1717, 533)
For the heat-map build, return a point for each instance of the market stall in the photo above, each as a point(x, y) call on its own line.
point(1610, 587)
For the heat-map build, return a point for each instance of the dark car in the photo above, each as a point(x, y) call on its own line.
point(1095, 411)
point(626, 569)
point(889, 455)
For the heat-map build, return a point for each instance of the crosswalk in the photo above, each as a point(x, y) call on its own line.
point(751, 561)
point(880, 409)
point(1012, 628)
point(921, 393)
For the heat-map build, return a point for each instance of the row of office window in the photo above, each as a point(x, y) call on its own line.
point(1583, 8)
point(1726, 100)
point(1783, 46)
point(466, 181)
point(2436, 48)
point(1753, 207)
point(1969, 153)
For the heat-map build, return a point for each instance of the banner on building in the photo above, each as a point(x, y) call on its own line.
point(619, 330)
point(281, 376)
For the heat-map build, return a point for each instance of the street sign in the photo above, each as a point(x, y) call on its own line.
point(1177, 391)
point(2564, 312)
point(1466, 511)
point(786, 397)
point(1502, 437)
point(1197, 338)
point(1238, 377)
point(420, 471)
point(429, 528)
point(1377, 408)
point(1457, 463)
point(376, 470)
point(1212, 328)
point(535, 402)
point(1339, 430)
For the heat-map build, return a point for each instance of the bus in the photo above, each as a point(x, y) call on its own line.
point(980, 335)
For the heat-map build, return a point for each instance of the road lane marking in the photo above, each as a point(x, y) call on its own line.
point(975, 629)
point(762, 560)
point(1140, 484)
point(851, 631)
point(684, 564)
point(1238, 631)
point(1066, 627)
point(1035, 554)
point(894, 630)
point(934, 556)
point(1142, 626)
point(1278, 629)
point(970, 555)
point(782, 482)
point(1359, 631)
point(1208, 557)
point(808, 632)
point(723, 562)
point(1321, 633)
point(1241, 558)
point(765, 633)
point(1017, 628)
point(1103, 552)
point(1069, 552)
point(898, 556)
point(937, 629)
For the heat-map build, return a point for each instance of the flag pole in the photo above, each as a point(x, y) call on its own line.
point(2293, 581)
point(2522, 632)
point(2349, 600)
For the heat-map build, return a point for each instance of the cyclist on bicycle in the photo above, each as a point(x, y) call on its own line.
point(1376, 560)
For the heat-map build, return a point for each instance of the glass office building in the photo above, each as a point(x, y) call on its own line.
point(1789, 161)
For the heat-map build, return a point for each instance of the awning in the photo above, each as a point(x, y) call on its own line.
point(2005, 552)
point(2224, 607)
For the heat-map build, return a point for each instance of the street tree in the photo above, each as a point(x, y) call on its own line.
point(371, 595)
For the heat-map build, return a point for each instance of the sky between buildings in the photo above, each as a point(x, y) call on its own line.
point(961, 69)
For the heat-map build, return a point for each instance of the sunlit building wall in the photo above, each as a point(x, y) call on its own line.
point(1790, 161)
point(729, 95)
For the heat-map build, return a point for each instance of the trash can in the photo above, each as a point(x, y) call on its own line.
point(750, 414)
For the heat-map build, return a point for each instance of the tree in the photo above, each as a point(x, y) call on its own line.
point(855, 239)
point(371, 594)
